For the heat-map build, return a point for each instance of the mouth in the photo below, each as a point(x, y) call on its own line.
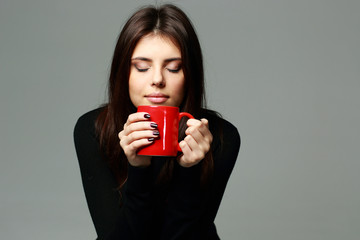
point(157, 98)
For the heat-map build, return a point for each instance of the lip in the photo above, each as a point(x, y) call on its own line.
point(157, 98)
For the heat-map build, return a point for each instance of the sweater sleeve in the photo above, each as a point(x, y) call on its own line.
point(111, 220)
point(192, 208)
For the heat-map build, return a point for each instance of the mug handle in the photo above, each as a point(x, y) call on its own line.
point(181, 115)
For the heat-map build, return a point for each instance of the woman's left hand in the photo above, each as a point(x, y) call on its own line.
point(197, 142)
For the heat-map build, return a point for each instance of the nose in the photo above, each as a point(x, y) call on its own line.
point(158, 79)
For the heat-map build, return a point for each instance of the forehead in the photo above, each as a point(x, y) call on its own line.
point(156, 46)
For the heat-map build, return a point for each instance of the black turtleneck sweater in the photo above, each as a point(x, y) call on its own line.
point(144, 209)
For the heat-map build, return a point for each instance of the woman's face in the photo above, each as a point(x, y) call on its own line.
point(156, 74)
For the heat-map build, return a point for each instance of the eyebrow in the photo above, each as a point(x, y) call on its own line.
point(149, 60)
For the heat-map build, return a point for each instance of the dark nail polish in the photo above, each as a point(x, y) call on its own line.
point(151, 139)
point(153, 125)
point(147, 115)
point(156, 133)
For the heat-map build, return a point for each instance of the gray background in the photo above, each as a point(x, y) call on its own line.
point(285, 72)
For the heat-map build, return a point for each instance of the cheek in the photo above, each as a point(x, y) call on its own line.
point(180, 89)
point(132, 86)
point(134, 81)
point(134, 89)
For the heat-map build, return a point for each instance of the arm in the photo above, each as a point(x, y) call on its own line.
point(192, 209)
point(100, 188)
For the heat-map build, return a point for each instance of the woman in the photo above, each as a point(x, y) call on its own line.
point(157, 61)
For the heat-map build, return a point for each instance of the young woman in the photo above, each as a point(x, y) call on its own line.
point(157, 61)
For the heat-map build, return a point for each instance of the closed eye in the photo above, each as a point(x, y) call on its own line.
point(173, 66)
point(141, 67)
point(174, 70)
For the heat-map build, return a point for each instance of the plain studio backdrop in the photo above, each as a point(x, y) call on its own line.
point(286, 73)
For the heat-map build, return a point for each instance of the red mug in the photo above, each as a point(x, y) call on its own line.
point(167, 118)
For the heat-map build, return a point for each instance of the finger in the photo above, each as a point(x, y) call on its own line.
point(195, 133)
point(185, 150)
point(136, 117)
point(205, 122)
point(121, 135)
point(193, 122)
point(203, 128)
point(138, 126)
point(200, 133)
point(138, 135)
point(202, 124)
point(191, 143)
point(131, 149)
point(205, 132)
point(191, 152)
point(199, 148)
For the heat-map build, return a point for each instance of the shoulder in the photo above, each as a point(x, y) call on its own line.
point(86, 123)
point(226, 142)
point(222, 128)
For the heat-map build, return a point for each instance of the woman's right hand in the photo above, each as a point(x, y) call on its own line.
point(138, 132)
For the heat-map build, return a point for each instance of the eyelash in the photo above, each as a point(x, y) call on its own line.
point(174, 70)
point(170, 70)
point(141, 69)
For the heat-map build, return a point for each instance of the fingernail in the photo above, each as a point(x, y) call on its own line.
point(153, 125)
point(156, 133)
point(151, 139)
point(147, 115)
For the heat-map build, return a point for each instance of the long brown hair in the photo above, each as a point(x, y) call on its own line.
point(168, 21)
